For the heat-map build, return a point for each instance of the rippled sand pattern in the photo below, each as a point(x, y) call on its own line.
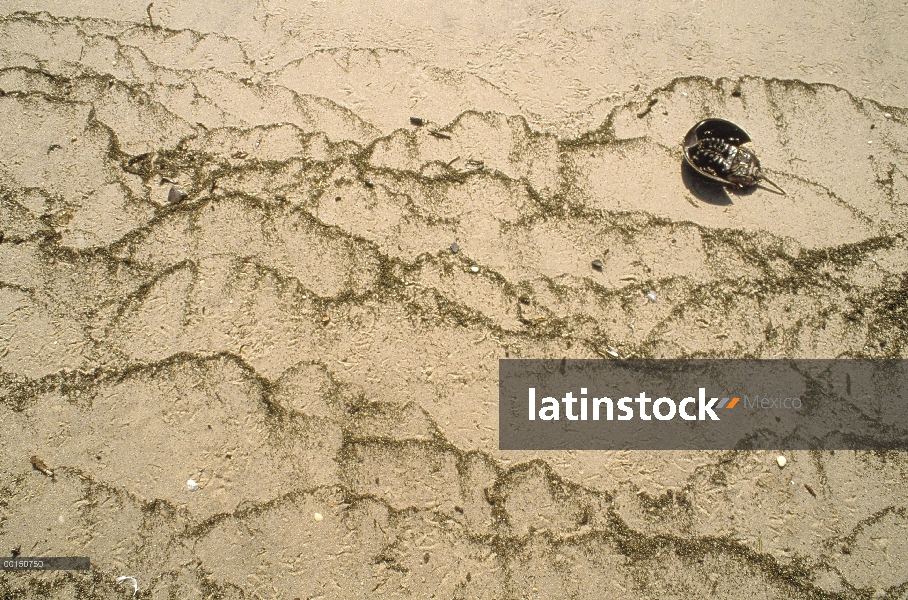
point(298, 336)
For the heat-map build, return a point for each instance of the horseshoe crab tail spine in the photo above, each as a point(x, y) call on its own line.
point(772, 183)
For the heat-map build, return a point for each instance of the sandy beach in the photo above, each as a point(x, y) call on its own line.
point(279, 248)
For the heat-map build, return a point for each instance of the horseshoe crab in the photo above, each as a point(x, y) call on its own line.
point(713, 148)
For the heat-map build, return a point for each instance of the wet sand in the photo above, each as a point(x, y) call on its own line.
point(298, 336)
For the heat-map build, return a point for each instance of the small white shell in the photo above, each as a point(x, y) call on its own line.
point(651, 296)
point(135, 583)
point(192, 485)
point(318, 516)
point(475, 269)
point(782, 461)
point(612, 352)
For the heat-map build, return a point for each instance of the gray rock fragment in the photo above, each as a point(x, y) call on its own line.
point(176, 195)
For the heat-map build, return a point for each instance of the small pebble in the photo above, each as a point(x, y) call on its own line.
point(651, 296)
point(475, 269)
point(455, 248)
point(782, 461)
point(192, 485)
point(417, 121)
point(887, 115)
point(176, 195)
point(318, 516)
point(597, 264)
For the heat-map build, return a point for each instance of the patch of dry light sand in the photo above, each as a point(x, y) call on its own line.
point(299, 337)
